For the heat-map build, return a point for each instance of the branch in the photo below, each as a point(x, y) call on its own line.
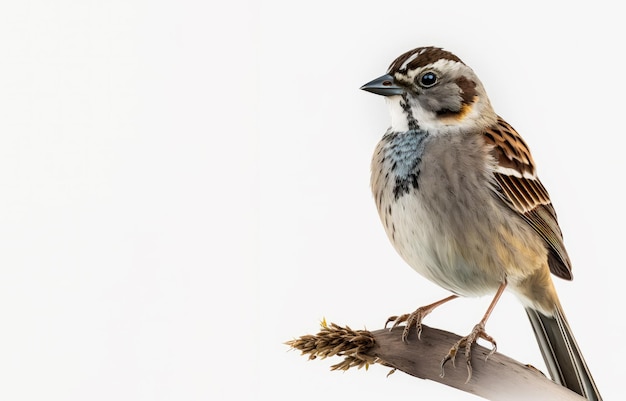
point(499, 378)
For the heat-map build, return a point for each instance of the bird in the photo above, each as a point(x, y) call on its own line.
point(457, 192)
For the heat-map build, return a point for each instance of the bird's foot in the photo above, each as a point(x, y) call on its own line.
point(411, 319)
point(467, 342)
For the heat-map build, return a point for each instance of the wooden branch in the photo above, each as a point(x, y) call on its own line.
point(498, 378)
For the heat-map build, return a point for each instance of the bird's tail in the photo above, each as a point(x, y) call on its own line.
point(561, 353)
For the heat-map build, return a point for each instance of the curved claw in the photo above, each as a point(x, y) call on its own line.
point(493, 350)
point(412, 320)
point(415, 318)
point(451, 356)
point(468, 361)
point(477, 332)
point(389, 320)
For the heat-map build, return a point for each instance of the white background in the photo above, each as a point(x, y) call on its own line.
point(184, 187)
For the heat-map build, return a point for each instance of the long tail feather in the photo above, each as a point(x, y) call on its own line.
point(561, 353)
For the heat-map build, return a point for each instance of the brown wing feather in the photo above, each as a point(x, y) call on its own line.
point(511, 150)
point(520, 188)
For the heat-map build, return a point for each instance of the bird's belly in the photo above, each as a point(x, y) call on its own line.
point(455, 257)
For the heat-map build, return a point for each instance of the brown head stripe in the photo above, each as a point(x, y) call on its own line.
point(429, 55)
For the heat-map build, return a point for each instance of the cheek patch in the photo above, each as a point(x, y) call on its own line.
point(468, 89)
point(466, 108)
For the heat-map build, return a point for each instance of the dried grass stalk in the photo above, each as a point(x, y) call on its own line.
point(499, 378)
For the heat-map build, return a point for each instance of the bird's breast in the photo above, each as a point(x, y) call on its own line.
point(435, 199)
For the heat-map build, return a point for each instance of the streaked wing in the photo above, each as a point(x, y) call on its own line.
point(521, 190)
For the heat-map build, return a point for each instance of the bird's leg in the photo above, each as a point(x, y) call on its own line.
point(477, 332)
point(415, 318)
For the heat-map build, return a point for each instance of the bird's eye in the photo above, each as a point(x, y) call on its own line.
point(428, 79)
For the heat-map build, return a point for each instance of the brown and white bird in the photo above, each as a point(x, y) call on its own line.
point(458, 194)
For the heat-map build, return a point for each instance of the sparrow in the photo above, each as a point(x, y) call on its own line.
point(458, 194)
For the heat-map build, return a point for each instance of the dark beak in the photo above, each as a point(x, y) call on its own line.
point(384, 86)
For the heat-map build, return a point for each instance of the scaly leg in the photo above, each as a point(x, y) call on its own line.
point(477, 332)
point(415, 318)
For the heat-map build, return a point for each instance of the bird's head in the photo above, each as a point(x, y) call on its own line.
point(431, 89)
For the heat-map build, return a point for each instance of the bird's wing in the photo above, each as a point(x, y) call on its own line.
point(520, 188)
